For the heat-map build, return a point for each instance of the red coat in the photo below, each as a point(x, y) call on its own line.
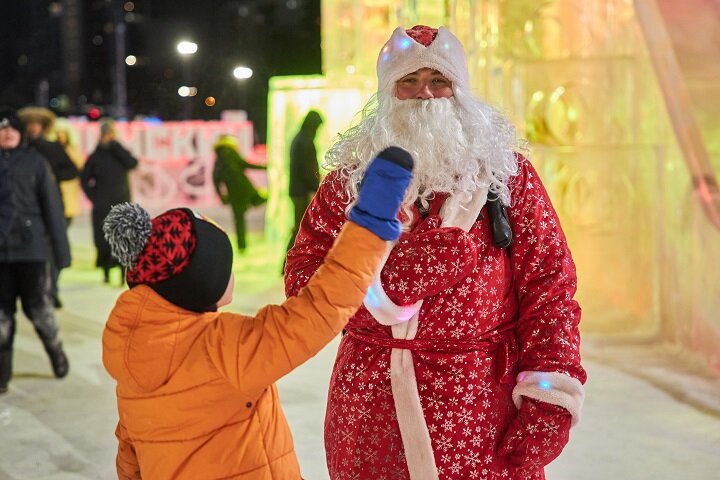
point(195, 391)
point(514, 312)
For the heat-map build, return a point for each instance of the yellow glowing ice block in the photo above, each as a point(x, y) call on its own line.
point(354, 30)
point(352, 33)
point(290, 98)
point(427, 12)
point(577, 91)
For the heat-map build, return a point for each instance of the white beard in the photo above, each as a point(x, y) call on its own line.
point(432, 132)
point(459, 144)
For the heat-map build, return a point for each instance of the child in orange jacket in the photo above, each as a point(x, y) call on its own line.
point(195, 387)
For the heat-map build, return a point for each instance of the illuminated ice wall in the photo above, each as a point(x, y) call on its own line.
point(577, 79)
point(289, 101)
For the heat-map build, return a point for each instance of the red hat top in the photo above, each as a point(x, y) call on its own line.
point(422, 34)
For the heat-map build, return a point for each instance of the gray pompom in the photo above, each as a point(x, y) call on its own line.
point(127, 229)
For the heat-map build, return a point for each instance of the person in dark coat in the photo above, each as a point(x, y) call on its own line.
point(232, 184)
point(38, 122)
point(32, 233)
point(304, 171)
point(104, 180)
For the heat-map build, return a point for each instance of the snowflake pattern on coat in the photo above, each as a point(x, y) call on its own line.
point(513, 312)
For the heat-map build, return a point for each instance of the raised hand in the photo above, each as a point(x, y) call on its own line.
point(381, 193)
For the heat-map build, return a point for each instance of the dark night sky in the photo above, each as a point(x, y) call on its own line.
point(273, 37)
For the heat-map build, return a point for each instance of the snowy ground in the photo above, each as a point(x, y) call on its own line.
point(651, 412)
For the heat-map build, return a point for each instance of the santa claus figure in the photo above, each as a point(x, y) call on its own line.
point(464, 361)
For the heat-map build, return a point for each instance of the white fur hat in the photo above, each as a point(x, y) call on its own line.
point(404, 54)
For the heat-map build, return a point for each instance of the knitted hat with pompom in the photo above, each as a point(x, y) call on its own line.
point(183, 256)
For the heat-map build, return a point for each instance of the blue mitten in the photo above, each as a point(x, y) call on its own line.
point(381, 193)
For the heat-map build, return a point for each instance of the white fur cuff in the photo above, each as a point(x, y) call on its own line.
point(383, 309)
point(379, 304)
point(551, 387)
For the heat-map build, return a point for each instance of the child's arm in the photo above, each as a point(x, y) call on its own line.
point(253, 353)
point(126, 460)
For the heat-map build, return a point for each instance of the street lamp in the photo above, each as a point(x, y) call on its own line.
point(242, 73)
point(186, 48)
point(186, 91)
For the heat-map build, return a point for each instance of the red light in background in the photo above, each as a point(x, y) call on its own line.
point(94, 113)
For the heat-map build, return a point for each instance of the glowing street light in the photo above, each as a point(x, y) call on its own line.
point(187, 48)
point(186, 91)
point(242, 73)
point(130, 60)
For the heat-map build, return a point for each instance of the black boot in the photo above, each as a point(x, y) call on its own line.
point(58, 359)
point(5, 369)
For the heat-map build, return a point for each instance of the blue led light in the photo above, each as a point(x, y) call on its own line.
point(385, 57)
point(545, 385)
point(371, 299)
point(405, 43)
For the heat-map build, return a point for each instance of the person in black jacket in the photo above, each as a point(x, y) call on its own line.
point(104, 180)
point(38, 122)
point(32, 232)
point(304, 171)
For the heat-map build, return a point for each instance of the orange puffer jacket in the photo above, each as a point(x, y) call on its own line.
point(195, 392)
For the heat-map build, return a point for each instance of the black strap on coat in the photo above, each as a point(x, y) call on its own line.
point(499, 223)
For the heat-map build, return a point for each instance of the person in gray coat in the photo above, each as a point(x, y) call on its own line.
point(32, 233)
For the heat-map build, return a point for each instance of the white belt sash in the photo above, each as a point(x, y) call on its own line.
point(457, 211)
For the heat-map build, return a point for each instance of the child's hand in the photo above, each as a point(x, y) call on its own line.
point(381, 193)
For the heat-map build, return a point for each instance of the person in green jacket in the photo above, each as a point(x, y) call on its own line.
point(232, 184)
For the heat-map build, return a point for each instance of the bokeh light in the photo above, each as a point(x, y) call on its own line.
point(242, 73)
point(186, 47)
